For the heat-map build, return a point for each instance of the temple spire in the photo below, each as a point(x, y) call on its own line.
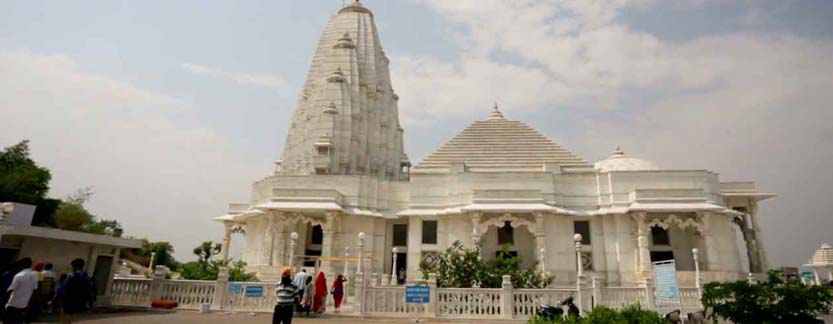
point(339, 127)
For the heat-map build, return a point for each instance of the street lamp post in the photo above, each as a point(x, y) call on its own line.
point(579, 268)
point(361, 253)
point(293, 237)
point(346, 258)
point(695, 253)
point(394, 279)
point(360, 272)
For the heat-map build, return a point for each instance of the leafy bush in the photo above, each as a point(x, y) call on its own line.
point(633, 314)
point(773, 301)
point(461, 267)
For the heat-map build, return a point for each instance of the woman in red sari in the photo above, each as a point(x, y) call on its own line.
point(320, 297)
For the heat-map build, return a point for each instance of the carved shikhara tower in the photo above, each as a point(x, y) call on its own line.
point(499, 182)
point(346, 120)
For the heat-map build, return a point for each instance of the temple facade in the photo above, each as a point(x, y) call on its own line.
point(344, 190)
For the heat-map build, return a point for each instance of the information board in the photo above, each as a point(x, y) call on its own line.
point(667, 288)
point(254, 291)
point(417, 294)
point(235, 288)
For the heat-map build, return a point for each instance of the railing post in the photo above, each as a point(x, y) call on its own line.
point(361, 292)
point(597, 292)
point(649, 293)
point(220, 289)
point(507, 301)
point(157, 280)
point(580, 293)
point(432, 308)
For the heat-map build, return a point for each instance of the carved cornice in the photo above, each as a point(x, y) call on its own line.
point(513, 220)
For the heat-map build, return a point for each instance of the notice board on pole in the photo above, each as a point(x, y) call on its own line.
point(417, 294)
point(667, 288)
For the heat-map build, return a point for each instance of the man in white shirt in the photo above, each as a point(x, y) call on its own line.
point(300, 278)
point(23, 285)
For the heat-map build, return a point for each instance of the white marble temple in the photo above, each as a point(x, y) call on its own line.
point(499, 181)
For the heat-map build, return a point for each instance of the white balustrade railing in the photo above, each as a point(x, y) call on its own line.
point(130, 292)
point(460, 303)
point(390, 301)
point(690, 299)
point(616, 297)
point(527, 301)
point(469, 302)
point(189, 294)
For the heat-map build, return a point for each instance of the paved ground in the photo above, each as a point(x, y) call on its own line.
point(187, 317)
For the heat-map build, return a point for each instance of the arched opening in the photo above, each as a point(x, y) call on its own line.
point(507, 240)
point(314, 239)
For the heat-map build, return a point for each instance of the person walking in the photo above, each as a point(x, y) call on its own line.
point(338, 291)
point(6, 281)
point(306, 297)
point(286, 293)
point(21, 289)
point(77, 292)
point(320, 297)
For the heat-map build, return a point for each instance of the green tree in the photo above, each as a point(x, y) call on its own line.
point(23, 181)
point(775, 300)
point(207, 268)
point(104, 226)
point(461, 267)
point(163, 254)
point(207, 250)
point(72, 216)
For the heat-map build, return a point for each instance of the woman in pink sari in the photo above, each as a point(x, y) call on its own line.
point(320, 297)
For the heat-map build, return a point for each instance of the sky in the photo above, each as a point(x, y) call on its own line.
point(170, 110)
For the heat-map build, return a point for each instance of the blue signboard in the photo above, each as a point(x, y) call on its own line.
point(235, 288)
point(254, 291)
point(667, 289)
point(417, 294)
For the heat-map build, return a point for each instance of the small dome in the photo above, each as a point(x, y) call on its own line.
point(618, 161)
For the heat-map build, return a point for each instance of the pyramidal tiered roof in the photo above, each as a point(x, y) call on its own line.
point(500, 144)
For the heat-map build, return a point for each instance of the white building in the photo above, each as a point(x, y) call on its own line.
point(498, 182)
point(19, 239)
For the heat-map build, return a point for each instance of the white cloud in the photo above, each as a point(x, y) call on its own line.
point(256, 79)
point(150, 173)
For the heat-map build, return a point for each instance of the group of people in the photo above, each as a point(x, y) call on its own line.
point(28, 291)
point(304, 295)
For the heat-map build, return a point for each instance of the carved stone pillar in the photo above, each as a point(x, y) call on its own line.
point(226, 240)
point(476, 236)
point(709, 243)
point(279, 246)
point(749, 240)
point(268, 240)
point(643, 251)
point(763, 263)
point(327, 244)
point(540, 240)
